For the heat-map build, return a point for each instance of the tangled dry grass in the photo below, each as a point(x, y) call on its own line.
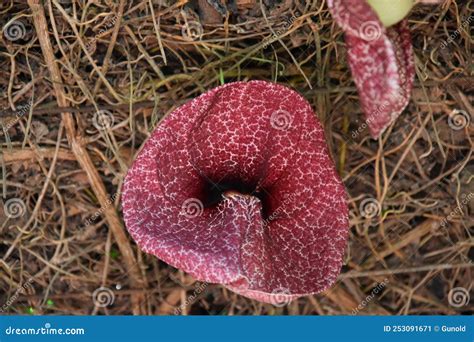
point(85, 82)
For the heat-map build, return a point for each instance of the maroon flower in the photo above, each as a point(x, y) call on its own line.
point(236, 187)
point(381, 60)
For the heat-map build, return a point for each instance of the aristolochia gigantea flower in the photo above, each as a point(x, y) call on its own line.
point(380, 55)
point(236, 187)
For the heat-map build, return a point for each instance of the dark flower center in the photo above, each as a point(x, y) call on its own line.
point(213, 192)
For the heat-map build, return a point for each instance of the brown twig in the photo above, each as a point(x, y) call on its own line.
point(82, 155)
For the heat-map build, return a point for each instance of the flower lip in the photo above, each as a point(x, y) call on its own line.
point(381, 60)
point(278, 224)
point(214, 193)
